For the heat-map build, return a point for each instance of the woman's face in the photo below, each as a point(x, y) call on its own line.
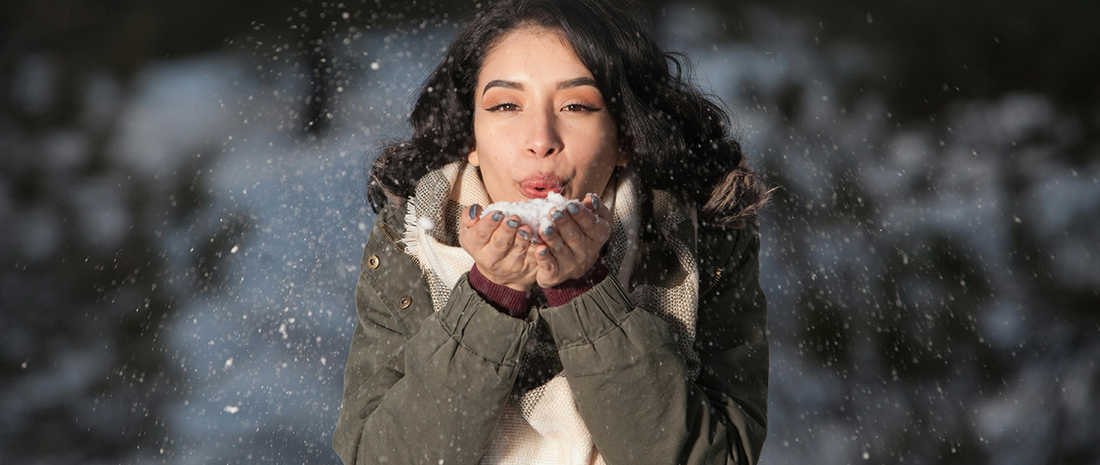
point(540, 123)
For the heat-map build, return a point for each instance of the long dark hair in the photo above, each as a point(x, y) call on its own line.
point(678, 139)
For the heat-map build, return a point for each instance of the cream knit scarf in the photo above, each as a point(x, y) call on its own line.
point(541, 424)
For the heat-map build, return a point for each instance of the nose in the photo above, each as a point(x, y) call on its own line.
point(543, 139)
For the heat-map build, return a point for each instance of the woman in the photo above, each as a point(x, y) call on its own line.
point(629, 331)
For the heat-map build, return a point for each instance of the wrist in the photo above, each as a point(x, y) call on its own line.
point(564, 292)
point(495, 280)
point(504, 298)
point(516, 287)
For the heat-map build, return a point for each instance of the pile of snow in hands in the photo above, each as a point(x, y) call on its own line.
point(535, 212)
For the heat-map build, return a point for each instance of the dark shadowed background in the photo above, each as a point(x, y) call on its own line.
point(182, 217)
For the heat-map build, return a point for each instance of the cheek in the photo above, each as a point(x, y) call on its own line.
point(495, 164)
point(587, 139)
point(599, 137)
point(492, 141)
point(604, 147)
point(610, 133)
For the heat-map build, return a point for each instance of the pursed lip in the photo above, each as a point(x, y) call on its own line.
point(538, 186)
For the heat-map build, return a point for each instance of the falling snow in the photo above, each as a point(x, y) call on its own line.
point(924, 278)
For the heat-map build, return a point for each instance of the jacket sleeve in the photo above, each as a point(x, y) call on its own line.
point(432, 394)
point(630, 381)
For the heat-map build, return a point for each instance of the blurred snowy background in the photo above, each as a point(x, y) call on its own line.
point(182, 217)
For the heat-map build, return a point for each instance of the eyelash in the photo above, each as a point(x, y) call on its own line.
point(570, 107)
point(581, 107)
point(500, 107)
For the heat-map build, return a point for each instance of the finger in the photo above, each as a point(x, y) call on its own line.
point(547, 263)
point(554, 241)
point(477, 235)
point(595, 219)
point(520, 244)
point(586, 219)
point(527, 234)
point(470, 216)
point(570, 233)
point(523, 239)
point(593, 203)
point(504, 236)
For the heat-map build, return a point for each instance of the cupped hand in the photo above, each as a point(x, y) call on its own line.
point(572, 245)
point(501, 247)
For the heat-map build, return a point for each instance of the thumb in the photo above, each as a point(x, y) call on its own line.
point(470, 216)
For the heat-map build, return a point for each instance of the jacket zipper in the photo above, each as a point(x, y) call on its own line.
point(713, 282)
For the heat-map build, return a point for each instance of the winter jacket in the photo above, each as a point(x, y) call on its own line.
point(426, 387)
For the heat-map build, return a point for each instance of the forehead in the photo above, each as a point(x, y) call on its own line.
point(532, 54)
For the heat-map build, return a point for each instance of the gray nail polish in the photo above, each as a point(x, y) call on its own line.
point(573, 209)
point(548, 231)
point(557, 215)
point(522, 233)
point(595, 202)
point(473, 212)
point(543, 252)
point(497, 216)
point(513, 224)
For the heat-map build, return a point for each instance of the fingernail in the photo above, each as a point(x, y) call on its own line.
point(543, 252)
point(573, 209)
point(513, 224)
point(557, 215)
point(497, 216)
point(473, 212)
point(595, 201)
point(522, 234)
point(548, 231)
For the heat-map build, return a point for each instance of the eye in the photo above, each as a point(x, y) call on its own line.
point(580, 107)
point(503, 107)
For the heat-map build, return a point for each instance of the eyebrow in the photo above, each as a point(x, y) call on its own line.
point(500, 83)
point(575, 82)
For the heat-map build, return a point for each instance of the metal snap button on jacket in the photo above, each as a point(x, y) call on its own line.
point(373, 261)
point(405, 302)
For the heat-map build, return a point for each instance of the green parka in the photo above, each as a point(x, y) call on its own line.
point(426, 387)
